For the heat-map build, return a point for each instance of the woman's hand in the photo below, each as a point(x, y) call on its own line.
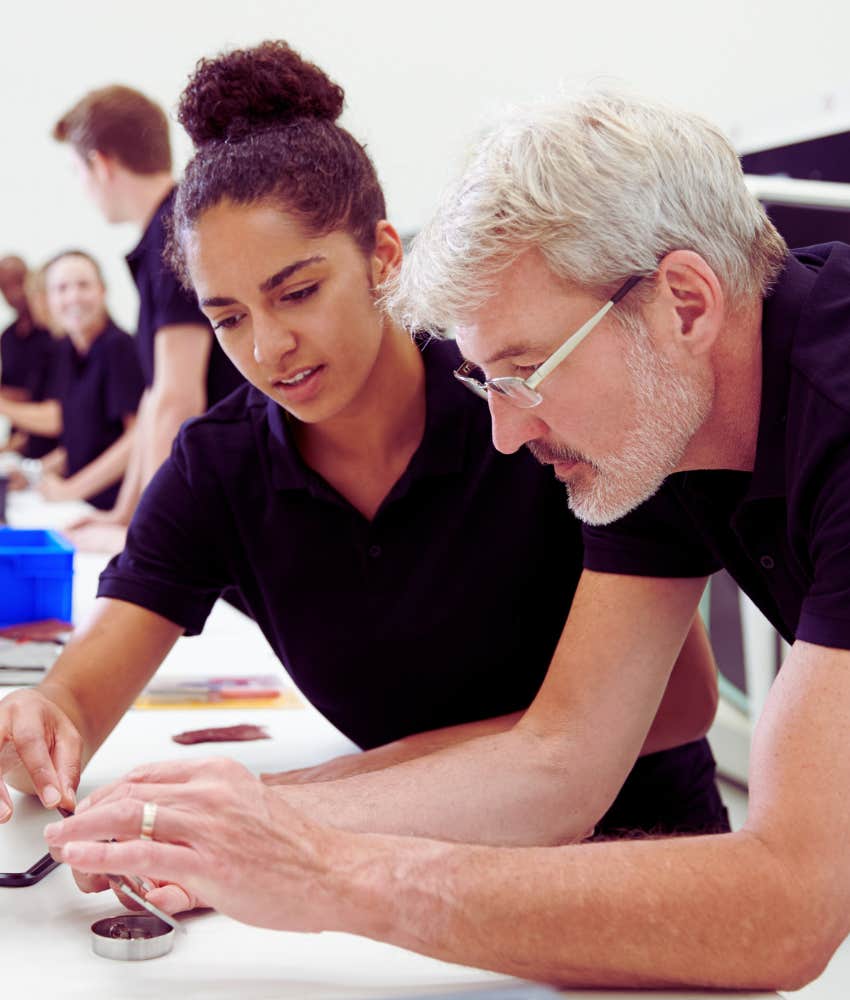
point(53, 487)
point(39, 745)
point(219, 835)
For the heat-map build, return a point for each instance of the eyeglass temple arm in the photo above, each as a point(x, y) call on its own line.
point(570, 345)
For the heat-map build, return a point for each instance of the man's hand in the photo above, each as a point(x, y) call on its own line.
point(219, 835)
point(166, 896)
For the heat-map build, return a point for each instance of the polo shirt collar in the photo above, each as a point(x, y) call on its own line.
point(150, 241)
point(449, 408)
point(781, 317)
point(98, 345)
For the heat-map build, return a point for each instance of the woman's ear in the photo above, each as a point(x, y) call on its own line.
point(387, 255)
point(692, 299)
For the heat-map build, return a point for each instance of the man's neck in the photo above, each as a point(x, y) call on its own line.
point(24, 324)
point(146, 192)
point(728, 438)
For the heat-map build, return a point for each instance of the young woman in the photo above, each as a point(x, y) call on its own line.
point(93, 392)
point(400, 567)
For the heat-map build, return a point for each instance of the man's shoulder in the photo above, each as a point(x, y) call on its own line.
point(820, 353)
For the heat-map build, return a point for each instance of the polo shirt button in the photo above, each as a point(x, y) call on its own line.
point(374, 551)
point(767, 562)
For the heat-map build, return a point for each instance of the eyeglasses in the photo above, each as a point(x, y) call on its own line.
point(523, 392)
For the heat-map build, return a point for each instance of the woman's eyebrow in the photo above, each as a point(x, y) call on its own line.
point(287, 271)
point(270, 283)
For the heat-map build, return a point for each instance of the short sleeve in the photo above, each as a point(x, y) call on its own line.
point(124, 380)
point(825, 613)
point(173, 305)
point(658, 539)
point(170, 563)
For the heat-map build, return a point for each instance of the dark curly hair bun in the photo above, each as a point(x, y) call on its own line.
point(249, 90)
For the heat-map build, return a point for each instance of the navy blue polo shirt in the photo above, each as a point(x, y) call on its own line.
point(783, 530)
point(96, 390)
point(26, 363)
point(445, 608)
point(164, 302)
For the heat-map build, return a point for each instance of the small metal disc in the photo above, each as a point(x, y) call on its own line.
point(131, 937)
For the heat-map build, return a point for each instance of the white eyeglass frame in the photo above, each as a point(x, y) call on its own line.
point(523, 392)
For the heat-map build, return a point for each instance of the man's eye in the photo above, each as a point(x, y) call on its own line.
point(300, 293)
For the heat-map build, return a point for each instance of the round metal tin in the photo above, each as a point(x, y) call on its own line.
point(131, 937)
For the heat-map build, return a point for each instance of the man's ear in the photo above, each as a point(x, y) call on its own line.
point(692, 297)
point(101, 165)
point(386, 257)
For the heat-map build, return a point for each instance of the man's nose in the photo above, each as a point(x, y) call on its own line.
point(513, 426)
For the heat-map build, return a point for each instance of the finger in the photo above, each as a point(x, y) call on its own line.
point(123, 899)
point(67, 756)
point(6, 807)
point(154, 775)
point(34, 754)
point(169, 862)
point(119, 820)
point(172, 898)
point(176, 796)
point(90, 883)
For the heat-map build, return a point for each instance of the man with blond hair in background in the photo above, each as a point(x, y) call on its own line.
point(121, 148)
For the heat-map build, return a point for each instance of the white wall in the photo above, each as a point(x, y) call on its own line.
point(419, 79)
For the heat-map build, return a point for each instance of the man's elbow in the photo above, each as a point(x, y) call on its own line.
point(804, 921)
point(794, 961)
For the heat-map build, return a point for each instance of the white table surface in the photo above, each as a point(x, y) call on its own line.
point(44, 929)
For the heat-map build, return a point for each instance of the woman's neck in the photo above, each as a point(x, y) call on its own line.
point(363, 451)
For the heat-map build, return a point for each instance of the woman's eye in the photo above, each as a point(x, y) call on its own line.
point(525, 370)
point(300, 293)
point(228, 323)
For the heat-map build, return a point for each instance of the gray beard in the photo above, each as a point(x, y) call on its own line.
point(671, 408)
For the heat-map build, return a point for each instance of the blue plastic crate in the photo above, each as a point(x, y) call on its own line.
point(36, 575)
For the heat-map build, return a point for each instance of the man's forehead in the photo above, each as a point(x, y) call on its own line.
point(485, 345)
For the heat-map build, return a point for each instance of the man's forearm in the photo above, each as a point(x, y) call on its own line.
point(505, 788)
point(167, 412)
point(397, 752)
point(717, 911)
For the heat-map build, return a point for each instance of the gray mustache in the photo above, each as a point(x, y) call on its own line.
point(549, 453)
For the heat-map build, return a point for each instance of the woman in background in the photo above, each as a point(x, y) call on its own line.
point(94, 390)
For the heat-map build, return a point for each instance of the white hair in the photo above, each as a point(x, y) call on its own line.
point(604, 186)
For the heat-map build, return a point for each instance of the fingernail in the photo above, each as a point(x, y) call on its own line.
point(50, 796)
point(50, 830)
point(70, 795)
point(5, 812)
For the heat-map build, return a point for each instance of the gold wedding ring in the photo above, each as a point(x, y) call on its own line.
point(148, 820)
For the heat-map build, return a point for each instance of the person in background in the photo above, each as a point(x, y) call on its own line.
point(26, 354)
point(704, 422)
point(120, 144)
point(413, 581)
point(95, 389)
